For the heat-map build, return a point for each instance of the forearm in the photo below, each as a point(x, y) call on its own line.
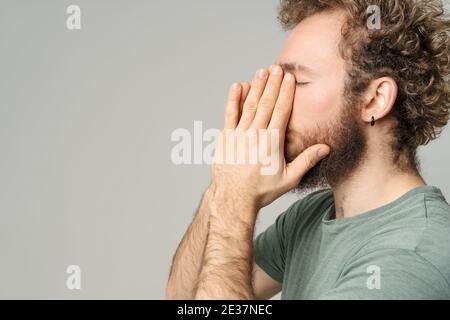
point(187, 262)
point(228, 258)
point(245, 186)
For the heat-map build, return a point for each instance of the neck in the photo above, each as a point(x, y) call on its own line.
point(374, 184)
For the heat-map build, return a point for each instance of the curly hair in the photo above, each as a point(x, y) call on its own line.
point(411, 47)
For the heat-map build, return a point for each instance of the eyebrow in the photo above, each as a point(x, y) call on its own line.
point(293, 67)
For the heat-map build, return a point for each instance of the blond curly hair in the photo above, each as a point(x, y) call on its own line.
point(411, 47)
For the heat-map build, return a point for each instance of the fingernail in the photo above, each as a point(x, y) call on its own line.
point(288, 77)
point(235, 86)
point(322, 152)
point(262, 74)
point(276, 70)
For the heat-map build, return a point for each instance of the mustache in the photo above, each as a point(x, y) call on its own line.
point(296, 142)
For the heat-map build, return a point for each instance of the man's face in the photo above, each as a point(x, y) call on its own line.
point(321, 113)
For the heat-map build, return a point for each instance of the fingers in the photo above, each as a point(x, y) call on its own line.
point(251, 103)
point(283, 106)
point(232, 106)
point(244, 94)
point(266, 102)
point(269, 98)
point(304, 162)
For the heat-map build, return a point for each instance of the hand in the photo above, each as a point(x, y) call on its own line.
point(249, 163)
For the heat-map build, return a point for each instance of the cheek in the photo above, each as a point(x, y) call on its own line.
point(313, 105)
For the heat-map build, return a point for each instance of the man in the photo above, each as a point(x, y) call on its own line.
point(348, 103)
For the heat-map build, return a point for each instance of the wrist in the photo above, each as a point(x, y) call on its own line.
point(231, 195)
point(229, 208)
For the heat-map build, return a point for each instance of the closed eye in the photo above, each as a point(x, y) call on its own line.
point(300, 84)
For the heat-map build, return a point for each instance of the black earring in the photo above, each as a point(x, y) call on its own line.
point(372, 123)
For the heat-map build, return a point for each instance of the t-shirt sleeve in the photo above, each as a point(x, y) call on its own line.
point(390, 274)
point(270, 248)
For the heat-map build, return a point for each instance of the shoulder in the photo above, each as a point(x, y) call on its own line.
point(419, 221)
point(433, 245)
point(422, 228)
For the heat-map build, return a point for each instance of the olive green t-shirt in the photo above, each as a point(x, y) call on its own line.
point(398, 251)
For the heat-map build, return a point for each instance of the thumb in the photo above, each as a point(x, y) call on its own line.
point(296, 169)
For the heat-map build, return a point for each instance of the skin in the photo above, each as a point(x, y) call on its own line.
point(240, 191)
point(320, 102)
point(215, 257)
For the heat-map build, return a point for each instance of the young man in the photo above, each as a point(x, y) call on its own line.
point(350, 102)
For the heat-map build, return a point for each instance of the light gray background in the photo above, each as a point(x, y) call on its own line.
point(85, 122)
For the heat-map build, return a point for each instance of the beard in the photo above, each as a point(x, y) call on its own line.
point(347, 142)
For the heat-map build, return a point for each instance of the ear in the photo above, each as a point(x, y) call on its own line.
point(380, 97)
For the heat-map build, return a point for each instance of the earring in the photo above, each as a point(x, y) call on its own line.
point(372, 123)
